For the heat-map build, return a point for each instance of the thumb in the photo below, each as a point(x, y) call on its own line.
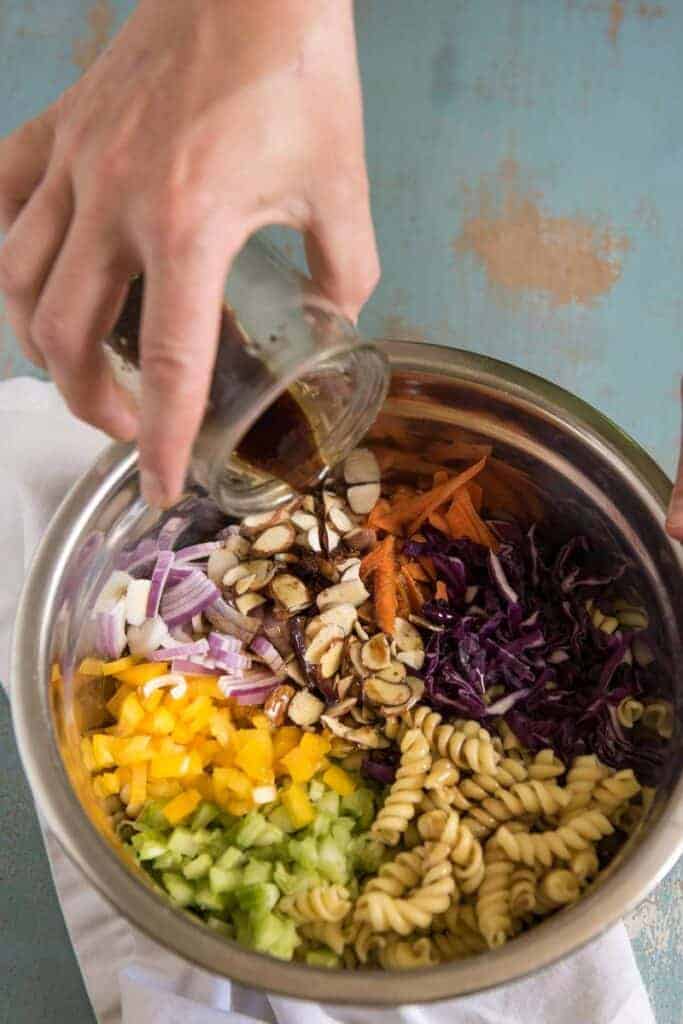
point(674, 521)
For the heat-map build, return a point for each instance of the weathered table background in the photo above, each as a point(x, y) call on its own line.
point(526, 159)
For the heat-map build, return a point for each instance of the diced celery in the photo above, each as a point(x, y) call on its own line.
point(366, 854)
point(316, 790)
point(360, 805)
point(198, 868)
point(281, 819)
point(289, 882)
point(266, 932)
point(224, 879)
point(329, 803)
point(183, 841)
point(341, 832)
point(207, 899)
point(149, 844)
point(256, 871)
point(217, 844)
point(304, 852)
point(230, 858)
point(178, 888)
point(220, 926)
point(250, 828)
point(203, 837)
point(258, 900)
point(322, 958)
point(204, 815)
point(284, 946)
point(331, 861)
point(152, 816)
point(270, 835)
point(168, 861)
point(322, 824)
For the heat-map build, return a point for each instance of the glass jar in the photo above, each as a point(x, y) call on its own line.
point(294, 386)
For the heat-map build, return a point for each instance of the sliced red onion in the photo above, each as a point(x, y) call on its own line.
point(159, 577)
point(170, 531)
point(137, 598)
point(264, 649)
point(181, 651)
point(145, 639)
point(113, 590)
point(193, 668)
point(220, 644)
point(228, 620)
point(232, 661)
point(196, 551)
point(179, 635)
point(178, 573)
point(110, 631)
point(188, 597)
point(252, 689)
point(176, 682)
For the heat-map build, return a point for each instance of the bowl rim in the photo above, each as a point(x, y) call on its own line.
point(105, 868)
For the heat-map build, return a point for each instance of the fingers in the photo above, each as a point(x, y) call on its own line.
point(674, 522)
point(24, 157)
point(341, 248)
point(28, 253)
point(77, 309)
point(182, 304)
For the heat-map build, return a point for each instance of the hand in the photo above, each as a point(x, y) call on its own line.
point(204, 121)
point(674, 522)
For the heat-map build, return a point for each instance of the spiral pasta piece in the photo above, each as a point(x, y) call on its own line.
point(493, 897)
point(326, 933)
point(523, 882)
point(397, 876)
point(465, 743)
point(560, 886)
point(585, 864)
point(534, 798)
point(546, 765)
point(443, 774)
point(384, 913)
point(629, 711)
point(616, 789)
point(462, 938)
point(321, 903)
point(406, 791)
point(468, 860)
point(541, 847)
point(401, 955)
point(584, 774)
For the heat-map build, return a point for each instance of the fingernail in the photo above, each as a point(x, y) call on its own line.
point(152, 490)
point(674, 520)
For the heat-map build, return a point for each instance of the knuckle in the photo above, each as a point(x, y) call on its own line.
point(170, 367)
point(49, 331)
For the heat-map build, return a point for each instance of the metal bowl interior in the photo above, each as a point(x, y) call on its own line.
point(587, 476)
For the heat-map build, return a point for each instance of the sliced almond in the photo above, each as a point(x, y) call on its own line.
point(360, 632)
point(313, 627)
point(361, 539)
point(406, 636)
point(247, 602)
point(313, 539)
point(331, 659)
point(348, 563)
point(361, 467)
point(294, 672)
point(277, 702)
point(363, 497)
point(376, 653)
point(342, 615)
point(244, 585)
point(388, 694)
point(340, 520)
point(238, 572)
point(321, 642)
point(291, 592)
point(343, 686)
point(352, 573)
point(340, 709)
point(331, 501)
point(274, 540)
point(257, 523)
point(263, 572)
point(417, 689)
point(237, 545)
point(369, 737)
point(308, 504)
point(352, 592)
point(413, 659)
point(356, 659)
point(394, 673)
point(304, 521)
point(286, 557)
point(219, 562)
point(305, 708)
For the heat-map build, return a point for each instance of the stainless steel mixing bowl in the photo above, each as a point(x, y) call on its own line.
point(595, 479)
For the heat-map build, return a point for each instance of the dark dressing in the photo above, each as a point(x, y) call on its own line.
point(282, 442)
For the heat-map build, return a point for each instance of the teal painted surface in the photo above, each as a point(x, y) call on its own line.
point(545, 122)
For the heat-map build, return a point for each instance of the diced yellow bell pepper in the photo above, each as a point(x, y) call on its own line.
point(220, 726)
point(162, 722)
point(232, 779)
point(137, 748)
point(107, 784)
point(104, 750)
point(95, 667)
point(285, 739)
point(115, 703)
point(90, 667)
point(238, 807)
point(314, 747)
point(87, 755)
point(138, 675)
point(168, 766)
point(182, 733)
point(194, 764)
point(152, 702)
point(255, 755)
point(298, 766)
point(298, 805)
point(204, 785)
point(138, 786)
point(181, 806)
point(131, 714)
point(203, 686)
point(55, 673)
point(207, 749)
point(161, 789)
point(261, 721)
point(167, 745)
point(339, 780)
point(224, 758)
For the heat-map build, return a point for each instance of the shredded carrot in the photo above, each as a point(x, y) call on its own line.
point(403, 605)
point(381, 509)
point(381, 563)
point(416, 572)
point(428, 566)
point(439, 521)
point(441, 592)
point(377, 556)
point(464, 521)
point(440, 477)
point(476, 493)
point(415, 595)
point(438, 496)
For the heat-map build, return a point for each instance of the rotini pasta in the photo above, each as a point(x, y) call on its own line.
point(584, 774)
point(321, 903)
point(629, 711)
point(616, 789)
point(532, 848)
point(332, 934)
point(466, 744)
point(523, 882)
point(560, 886)
point(397, 876)
point(585, 864)
point(546, 765)
point(659, 716)
point(399, 954)
point(406, 791)
point(534, 798)
point(493, 896)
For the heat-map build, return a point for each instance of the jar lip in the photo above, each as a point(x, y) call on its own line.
point(272, 494)
point(104, 865)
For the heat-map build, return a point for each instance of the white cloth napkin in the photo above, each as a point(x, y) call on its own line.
point(131, 980)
